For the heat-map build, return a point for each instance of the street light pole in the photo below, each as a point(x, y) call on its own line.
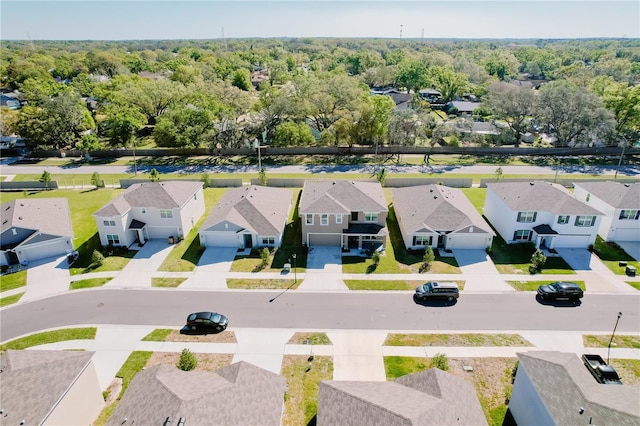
point(614, 332)
point(295, 270)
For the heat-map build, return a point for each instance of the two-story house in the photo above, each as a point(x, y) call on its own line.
point(347, 214)
point(620, 204)
point(544, 213)
point(150, 210)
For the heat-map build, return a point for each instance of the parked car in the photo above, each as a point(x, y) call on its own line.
point(437, 290)
point(600, 370)
point(560, 290)
point(205, 323)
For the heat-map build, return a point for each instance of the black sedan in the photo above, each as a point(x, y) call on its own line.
point(560, 290)
point(205, 323)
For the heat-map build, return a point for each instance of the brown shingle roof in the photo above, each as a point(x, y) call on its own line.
point(161, 195)
point(540, 196)
point(258, 208)
point(617, 195)
point(240, 394)
point(47, 215)
point(342, 196)
point(32, 382)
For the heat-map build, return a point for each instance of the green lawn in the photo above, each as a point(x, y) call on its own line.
point(611, 254)
point(157, 335)
point(392, 285)
point(463, 339)
point(398, 366)
point(516, 259)
point(88, 333)
point(634, 284)
point(476, 196)
point(9, 300)
point(303, 380)
point(167, 282)
point(11, 281)
point(533, 285)
point(250, 284)
point(619, 341)
point(90, 283)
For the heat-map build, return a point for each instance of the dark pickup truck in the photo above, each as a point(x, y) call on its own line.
point(599, 369)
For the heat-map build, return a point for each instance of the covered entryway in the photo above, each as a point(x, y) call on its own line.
point(138, 228)
point(545, 237)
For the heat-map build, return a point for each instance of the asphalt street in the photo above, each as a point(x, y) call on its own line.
point(321, 311)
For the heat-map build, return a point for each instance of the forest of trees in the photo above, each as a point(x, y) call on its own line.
point(97, 95)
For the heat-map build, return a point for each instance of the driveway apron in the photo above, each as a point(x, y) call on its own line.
point(264, 348)
point(358, 355)
point(479, 271)
point(46, 278)
point(212, 269)
point(144, 264)
point(595, 274)
point(324, 269)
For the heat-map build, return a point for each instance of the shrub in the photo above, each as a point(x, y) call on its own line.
point(97, 258)
point(375, 258)
point(427, 259)
point(205, 179)
point(264, 256)
point(187, 361)
point(440, 361)
point(537, 261)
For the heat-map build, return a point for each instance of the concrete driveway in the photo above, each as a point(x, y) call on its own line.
point(46, 277)
point(324, 269)
point(144, 264)
point(479, 271)
point(596, 275)
point(631, 247)
point(212, 269)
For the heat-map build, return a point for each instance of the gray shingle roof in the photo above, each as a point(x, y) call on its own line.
point(32, 381)
point(564, 384)
point(260, 209)
point(239, 394)
point(617, 195)
point(540, 196)
point(431, 397)
point(437, 208)
point(342, 196)
point(162, 195)
point(47, 215)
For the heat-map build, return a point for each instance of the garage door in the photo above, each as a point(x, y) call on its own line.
point(324, 240)
point(627, 234)
point(468, 242)
point(220, 239)
point(42, 251)
point(571, 241)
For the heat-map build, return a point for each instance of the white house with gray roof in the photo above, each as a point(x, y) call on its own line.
point(342, 213)
point(247, 217)
point(150, 210)
point(543, 213)
point(555, 388)
point(620, 204)
point(439, 216)
point(35, 229)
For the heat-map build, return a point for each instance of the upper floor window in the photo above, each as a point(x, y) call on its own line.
point(109, 222)
point(166, 214)
point(629, 214)
point(308, 219)
point(526, 217)
point(585, 220)
point(563, 219)
point(338, 218)
point(370, 217)
point(324, 219)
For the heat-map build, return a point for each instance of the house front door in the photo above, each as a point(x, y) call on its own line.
point(248, 241)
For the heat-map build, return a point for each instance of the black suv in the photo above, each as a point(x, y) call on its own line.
point(204, 323)
point(560, 290)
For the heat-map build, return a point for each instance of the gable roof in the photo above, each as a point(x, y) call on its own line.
point(46, 215)
point(617, 195)
point(239, 394)
point(341, 196)
point(33, 381)
point(564, 385)
point(437, 208)
point(261, 209)
point(540, 196)
point(431, 397)
point(464, 106)
point(161, 195)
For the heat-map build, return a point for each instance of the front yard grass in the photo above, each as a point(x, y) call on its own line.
point(516, 259)
point(634, 284)
point(273, 284)
point(11, 281)
point(628, 370)
point(89, 283)
point(87, 333)
point(10, 300)
point(303, 381)
point(611, 254)
point(392, 285)
point(533, 285)
point(619, 341)
point(167, 282)
point(314, 338)
point(464, 339)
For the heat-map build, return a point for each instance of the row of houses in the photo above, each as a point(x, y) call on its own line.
point(61, 387)
point(341, 213)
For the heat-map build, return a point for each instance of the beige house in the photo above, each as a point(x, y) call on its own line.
point(347, 214)
point(49, 388)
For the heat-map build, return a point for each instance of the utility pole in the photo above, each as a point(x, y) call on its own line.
point(615, 176)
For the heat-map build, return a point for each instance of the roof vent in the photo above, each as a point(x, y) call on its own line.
point(431, 190)
point(471, 228)
point(627, 185)
point(531, 183)
point(435, 197)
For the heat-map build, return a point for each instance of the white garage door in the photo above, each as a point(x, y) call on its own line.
point(571, 241)
point(220, 239)
point(627, 234)
point(468, 242)
point(42, 251)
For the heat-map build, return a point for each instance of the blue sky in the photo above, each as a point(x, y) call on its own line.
point(141, 19)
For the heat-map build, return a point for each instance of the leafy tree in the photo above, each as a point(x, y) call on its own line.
point(204, 177)
point(96, 180)
point(440, 361)
point(513, 104)
point(45, 178)
point(242, 79)
point(375, 258)
point(97, 259)
point(501, 63)
point(538, 259)
point(151, 97)
point(184, 126)
point(498, 173)
point(448, 82)
point(265, 254)
point(623, 100)
point(412, 75)
point(123, 123)
point(381, 176)
point(88, 143)
point(187, 361)
point(427, 259)
point(262, 176)
point(154, 176)
point(292, 134)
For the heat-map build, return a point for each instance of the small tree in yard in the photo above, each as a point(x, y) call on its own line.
point(45, 178)
point(205, 179)
point(264, 256)
point(96, 180)
point(537, 261)
point(375, 258)
point(154, 176)
point(262, 177)
point(498, 173)
point(97, 258)
point(440, 361)
point(187, 361)
point(427, 259)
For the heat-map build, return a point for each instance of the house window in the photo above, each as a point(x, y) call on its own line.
point(371, 217)
point(166, 214)
point(308, 219)
point(522, 235)
point(113, 239)
point(562, 220)
point(629, 214)
point(269, 241)
point(526, 217)
point(338, 219)
point(422, 240)
point(324, 219)
point(585, 220)
point(109, 222)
